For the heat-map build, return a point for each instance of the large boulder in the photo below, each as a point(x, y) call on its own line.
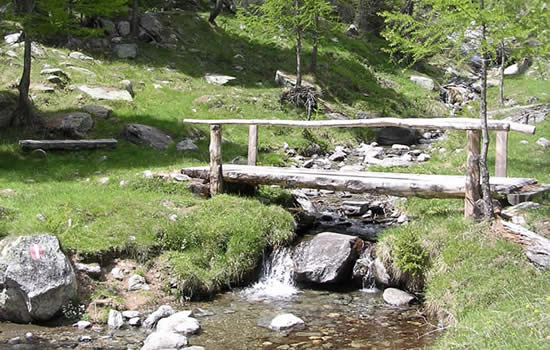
point(180, 322)
point(327, 258)
point(391, 135)
point(76, 124)
point(151, 27)
point(36, 278)
point(125, 51)
point(100, 93)
point(164, 341)
point(423, 82)
point(146, 135)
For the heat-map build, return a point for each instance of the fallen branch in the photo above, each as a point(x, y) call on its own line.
point(537, 247)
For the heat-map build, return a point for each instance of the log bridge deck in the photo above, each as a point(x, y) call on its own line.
point(419, 185)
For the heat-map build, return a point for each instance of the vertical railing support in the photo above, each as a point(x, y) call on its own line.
point(252, 144)
point(472, 174)
point(501, 161)
point(216, 178)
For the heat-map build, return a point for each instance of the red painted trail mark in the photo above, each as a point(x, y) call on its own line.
point(36, 251)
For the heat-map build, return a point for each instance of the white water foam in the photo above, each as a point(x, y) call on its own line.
point(369, 283)
point(277, 278)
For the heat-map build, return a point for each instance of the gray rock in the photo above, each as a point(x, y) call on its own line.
point(81, 325)
point(130, 314)
point(289, 80)
point(124, 28)
point(100, 93)
point(125, 51)
point(151, 27)
point(128, 86)
point(14, 341)
point(391, 135)
point(137, 282)
point(397, 297)
point(134, 322)
point(337, 156)
point(85, 339)
point(54, 79)
point(352, 168)
point(55, 71)
point(352, 30)
point(146, 135)
point(543, 142)
point(218, 79)
point(308, 163)
point(80, 56)
point(161, 312)
point(108, 26)
point(77, 124)
point(117, 273)
point(194, 347)
point(381, 275)
point(286, 322)
point(327, 258)
point(98, 111)
point(186, 145)
point(180, 322)
point(92, 270)
point(36, 278)
point(423, 157)
point(164, 341)
point(115, 320)
point(423, 82)
point(12, 38)
point(82, 70)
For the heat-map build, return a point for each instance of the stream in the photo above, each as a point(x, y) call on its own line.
point(335, 318)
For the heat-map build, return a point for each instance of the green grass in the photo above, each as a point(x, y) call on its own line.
point(487, 293)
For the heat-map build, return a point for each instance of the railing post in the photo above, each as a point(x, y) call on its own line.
point(252, 144)
point(216, 179)
point(501, 161)
point(472, 190)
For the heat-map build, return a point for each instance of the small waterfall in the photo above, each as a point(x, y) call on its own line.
point(277, 277)
point(368, 282)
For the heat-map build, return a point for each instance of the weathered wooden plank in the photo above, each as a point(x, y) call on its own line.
point(501, 161)
point(216, 179)
point(418, 123)
point(67, 145)
point(472, 186)
point(252, 144)
point(406, 185)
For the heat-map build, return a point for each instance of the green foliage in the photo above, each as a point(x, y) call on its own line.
point(409, 254)
point(221, 241)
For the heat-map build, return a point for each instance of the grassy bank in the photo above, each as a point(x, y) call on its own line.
point(482, 286)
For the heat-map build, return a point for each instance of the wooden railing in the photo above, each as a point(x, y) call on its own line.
point(472, 126)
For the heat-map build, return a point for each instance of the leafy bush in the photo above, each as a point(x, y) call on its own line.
point(409, 254)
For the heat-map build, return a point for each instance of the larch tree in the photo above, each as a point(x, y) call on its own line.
point(300, 19)
point(45, 18)
point(443, 26)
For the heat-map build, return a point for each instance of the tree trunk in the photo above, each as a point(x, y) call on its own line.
point(215, 12)
point(135, 16)
point(315, 49)
point(501, 81)
point(361, 14)
point(298, 58)
point(24, 115)
point(485, 188)
point(408, 7)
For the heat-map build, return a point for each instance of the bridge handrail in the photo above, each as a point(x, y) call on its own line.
point(416, 123)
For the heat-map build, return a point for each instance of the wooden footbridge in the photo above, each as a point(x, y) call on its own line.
point(406, 185)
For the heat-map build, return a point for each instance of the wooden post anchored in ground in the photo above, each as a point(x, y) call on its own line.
point(216, 179)
point(501, 161)
point(472, 190)
point(252, 144)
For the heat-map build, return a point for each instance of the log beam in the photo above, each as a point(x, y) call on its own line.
point(216, 179)
point(472, 188)
point(501, 161)
point(67, 145)
point(252, 144)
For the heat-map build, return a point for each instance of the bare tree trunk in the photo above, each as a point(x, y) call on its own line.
point(501, 81)
point(135, 17)
point(361, 14)
point(215, 12)
point(315, 49)
point(485, 188)
point(299, 58)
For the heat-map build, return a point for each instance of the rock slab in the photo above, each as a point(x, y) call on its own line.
point(327, 258)
point(397, 297)
point(180, 322)
point(36, 278)
point(164, 340)
point(146, 135)
point(286, 322)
